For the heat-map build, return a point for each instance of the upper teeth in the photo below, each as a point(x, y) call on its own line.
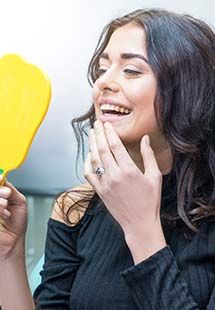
point(114, 107)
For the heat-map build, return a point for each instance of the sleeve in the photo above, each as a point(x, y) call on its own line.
point(60, 266)
point(156, 283)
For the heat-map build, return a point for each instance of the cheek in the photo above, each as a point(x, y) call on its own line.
point(95, 92)
point(144, 111)
point(143, 94)
point(142, 99)
point(95, 97)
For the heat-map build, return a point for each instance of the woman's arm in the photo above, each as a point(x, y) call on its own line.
point(14, 288)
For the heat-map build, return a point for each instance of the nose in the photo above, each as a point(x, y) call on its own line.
point(108, 81)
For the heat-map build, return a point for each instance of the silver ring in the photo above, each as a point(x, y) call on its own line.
point(100, 171)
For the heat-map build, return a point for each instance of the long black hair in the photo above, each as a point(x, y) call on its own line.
point(181, 54)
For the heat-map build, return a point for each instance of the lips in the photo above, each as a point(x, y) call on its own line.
point(105, 117)
point(112, 118)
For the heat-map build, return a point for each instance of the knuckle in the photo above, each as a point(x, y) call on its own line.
point(102, 149)
point(94, 161)
point(114, 145)
point(115, 181)
point(130, 172)
point(153, 181)
point(157, 175)
point(86, 175)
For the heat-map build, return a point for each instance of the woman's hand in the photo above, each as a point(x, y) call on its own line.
point(13, 219)
point(131, 196)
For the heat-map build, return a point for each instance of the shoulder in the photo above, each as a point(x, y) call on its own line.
point(70, 206)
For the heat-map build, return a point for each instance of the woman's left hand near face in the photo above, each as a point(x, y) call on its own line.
point(131, 196)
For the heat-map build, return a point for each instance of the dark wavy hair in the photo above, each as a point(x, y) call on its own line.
point(181, 54)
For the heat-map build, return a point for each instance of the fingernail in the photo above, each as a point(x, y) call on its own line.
point(147, 140)
point(4, 191)
point(6, 213)
point(107, 125)
point(96, 123)
point(3, 202)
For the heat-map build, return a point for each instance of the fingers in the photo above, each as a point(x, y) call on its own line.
point(5, 193)
point(117, 148)
point(102, 146)
point(89, 175)
point(3, 211)
point(88, 165)
point(5, 185)
point(9, 191)
point(94, 154)
point(149, 159)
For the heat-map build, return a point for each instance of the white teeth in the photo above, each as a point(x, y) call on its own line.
point(113, 107)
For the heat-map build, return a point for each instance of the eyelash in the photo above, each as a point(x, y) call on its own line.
point(132, 72)
point(127, 71)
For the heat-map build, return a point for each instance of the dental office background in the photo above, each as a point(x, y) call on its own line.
point(60, 37)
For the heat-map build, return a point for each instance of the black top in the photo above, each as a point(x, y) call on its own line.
point(90, 267)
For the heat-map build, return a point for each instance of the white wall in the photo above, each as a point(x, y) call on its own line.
point(60, 37)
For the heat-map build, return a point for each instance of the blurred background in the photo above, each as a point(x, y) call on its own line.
point(60, 36)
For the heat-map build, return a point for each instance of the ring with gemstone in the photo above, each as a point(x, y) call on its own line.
point(100, 171)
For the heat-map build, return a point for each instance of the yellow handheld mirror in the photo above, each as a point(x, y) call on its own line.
point(25, 93)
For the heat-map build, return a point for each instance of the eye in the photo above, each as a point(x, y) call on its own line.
point(100, 71)
point(132, 72)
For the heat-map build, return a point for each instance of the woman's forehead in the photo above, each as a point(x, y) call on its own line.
point(127, 39)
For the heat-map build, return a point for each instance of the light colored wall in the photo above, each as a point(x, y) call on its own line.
point(60, 36)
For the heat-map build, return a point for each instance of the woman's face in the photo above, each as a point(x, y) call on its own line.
point(126, 80)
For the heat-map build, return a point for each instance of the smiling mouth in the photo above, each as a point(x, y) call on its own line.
point(112, 116)
point(116, 113)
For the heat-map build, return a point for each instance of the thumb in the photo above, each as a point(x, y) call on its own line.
point(149, 159)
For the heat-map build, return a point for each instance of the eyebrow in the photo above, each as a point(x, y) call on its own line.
point(125, 56)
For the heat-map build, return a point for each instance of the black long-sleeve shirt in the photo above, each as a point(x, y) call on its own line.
point(89, 266)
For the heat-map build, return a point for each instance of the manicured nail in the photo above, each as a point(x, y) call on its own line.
point(97, 123)
point(107, 125)
point(6, 214)
point(3, 202)
point(4, 190)
point(147, 140)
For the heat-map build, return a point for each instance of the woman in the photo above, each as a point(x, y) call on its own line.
point(140, 234)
